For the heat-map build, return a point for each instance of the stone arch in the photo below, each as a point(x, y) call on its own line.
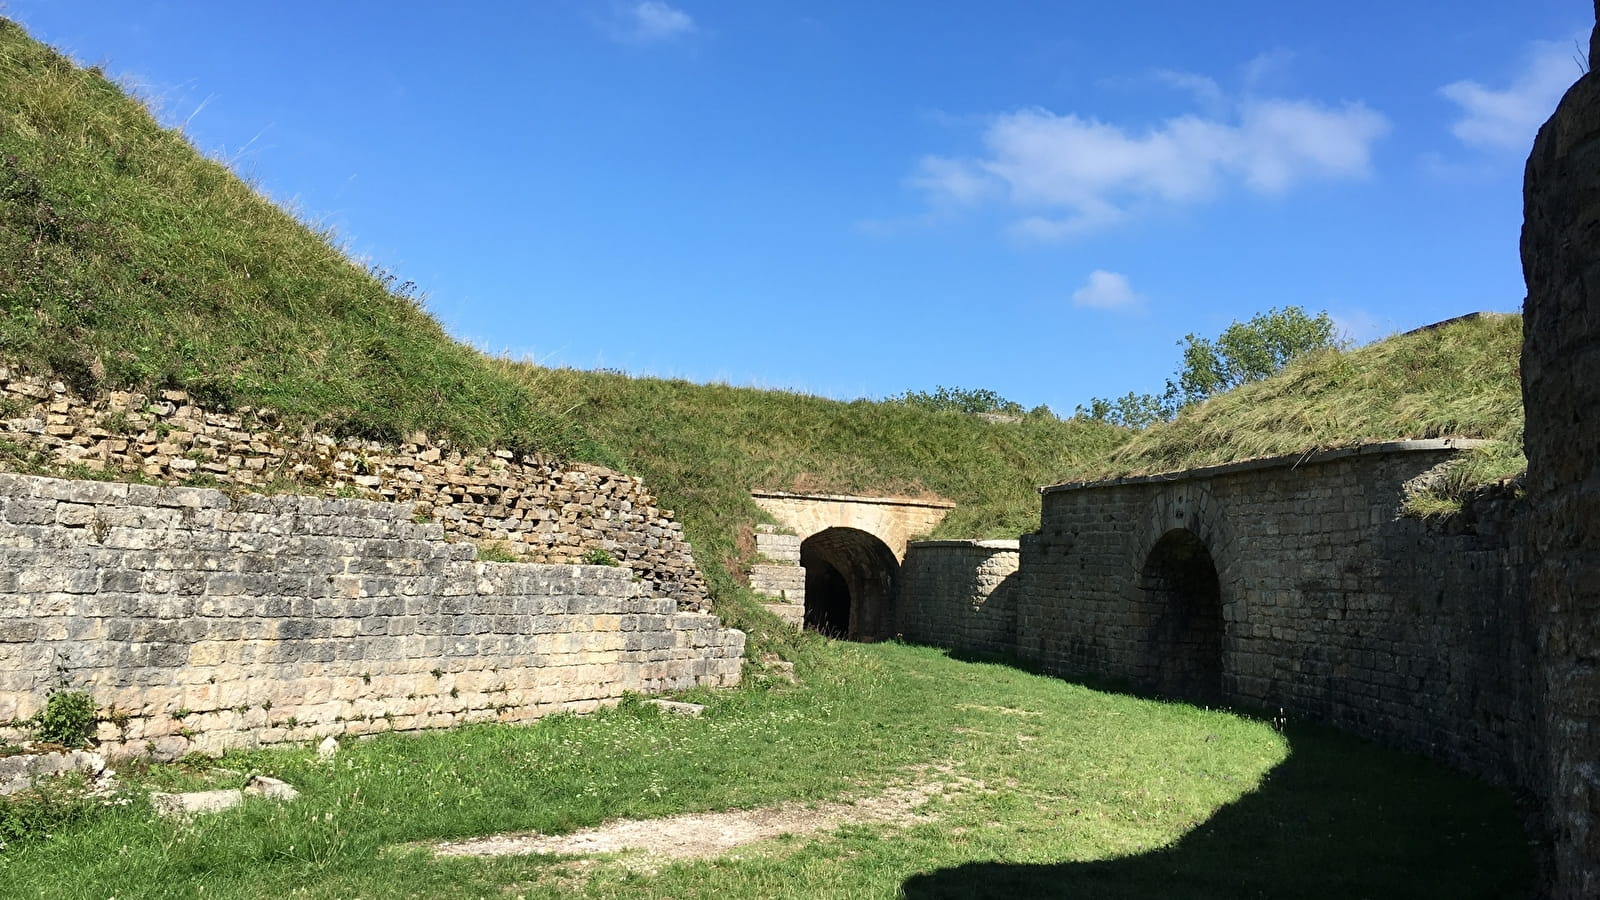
point(1184, 638)
point(851, 579)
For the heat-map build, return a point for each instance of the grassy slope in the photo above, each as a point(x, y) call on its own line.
point(1458, 380)
point(705, 446)
point(127, 260)
point(1069, 792)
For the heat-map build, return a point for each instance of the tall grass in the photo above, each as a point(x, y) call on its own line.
point(1457, 380)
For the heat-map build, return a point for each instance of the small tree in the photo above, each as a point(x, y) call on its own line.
point(1244, 352)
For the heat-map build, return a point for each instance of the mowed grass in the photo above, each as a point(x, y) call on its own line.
point(1057, 790)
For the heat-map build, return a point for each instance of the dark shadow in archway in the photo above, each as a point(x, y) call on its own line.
point(1182, 597)
point(850, 584)
point(827, 600)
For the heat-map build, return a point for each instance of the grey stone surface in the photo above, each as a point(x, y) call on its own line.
point(1322, 600)
point(23, 770)
point(677, 708)
point(1561, 389)
point(290, 618)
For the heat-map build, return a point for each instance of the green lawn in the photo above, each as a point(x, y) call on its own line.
point(1061, 791)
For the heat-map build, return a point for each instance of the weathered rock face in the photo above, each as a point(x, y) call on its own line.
point(1561, 390)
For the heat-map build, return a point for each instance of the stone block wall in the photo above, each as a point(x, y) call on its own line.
point(538, 510)
point(781, 578)
point(961, 595)
point(201, 621)
point(1561, 392)
point(1332, 606)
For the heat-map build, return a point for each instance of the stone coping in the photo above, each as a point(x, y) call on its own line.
point(846, 498)
point(984, 545)
point(1292, 460)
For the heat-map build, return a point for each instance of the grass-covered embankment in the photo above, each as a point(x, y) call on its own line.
point(1457, 380)
point(1053, 790)
point(130, 261)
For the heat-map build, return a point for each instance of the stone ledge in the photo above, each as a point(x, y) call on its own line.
point(979, 544)
point(1288, 461)
point(846, 498)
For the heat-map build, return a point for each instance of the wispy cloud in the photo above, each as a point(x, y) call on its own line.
point(1107, 290)
point(1508, 118)
point(1068, 175)
point(1360, 327)
point(651, 22)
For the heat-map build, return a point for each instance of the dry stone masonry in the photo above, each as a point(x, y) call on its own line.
point(201, 621)
point(779, 576)
point(1561, 390)
point(537, 510)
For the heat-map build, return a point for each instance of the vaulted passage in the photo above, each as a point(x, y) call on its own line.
point(850, 584)
point(1183, 608)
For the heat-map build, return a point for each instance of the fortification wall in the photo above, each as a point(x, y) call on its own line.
point(1561, 391)
point(960, 594)
point(1327, 603)
point(539, 511)
point(201, 621)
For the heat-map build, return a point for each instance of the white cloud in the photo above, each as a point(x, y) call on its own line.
point(1070, 175)
point(1205, 90)
point(652, 21)
point(1360, 327)
point(1508, 118)
point(1107, 290)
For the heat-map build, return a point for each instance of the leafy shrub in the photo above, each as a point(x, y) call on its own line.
point(67, 719)
point(599, 557)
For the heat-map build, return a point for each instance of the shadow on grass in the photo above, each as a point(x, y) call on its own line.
point(1339, 818)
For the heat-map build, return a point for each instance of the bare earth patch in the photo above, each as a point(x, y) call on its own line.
point(698, 835)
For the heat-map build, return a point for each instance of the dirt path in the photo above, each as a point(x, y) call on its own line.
point(710, 834)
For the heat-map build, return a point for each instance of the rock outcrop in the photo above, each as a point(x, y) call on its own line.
point(1561, 391)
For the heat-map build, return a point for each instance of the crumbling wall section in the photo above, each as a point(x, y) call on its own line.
point(536, 509)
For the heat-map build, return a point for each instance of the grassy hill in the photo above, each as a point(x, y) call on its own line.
point(130, 261)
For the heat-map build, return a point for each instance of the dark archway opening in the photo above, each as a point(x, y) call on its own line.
point(1183, 645)
point(851, 578)
point(827, 600)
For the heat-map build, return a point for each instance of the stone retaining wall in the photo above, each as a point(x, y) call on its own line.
point(201, 621)
point(1297, 584)
point(539, 511)
point(961, 595)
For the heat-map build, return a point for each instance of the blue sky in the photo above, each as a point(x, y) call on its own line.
point(853, 199)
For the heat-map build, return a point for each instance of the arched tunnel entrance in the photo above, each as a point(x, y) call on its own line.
point(1183, 603)
point(850, 584)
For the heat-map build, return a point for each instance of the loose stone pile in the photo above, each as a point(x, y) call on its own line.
point(539, 510)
